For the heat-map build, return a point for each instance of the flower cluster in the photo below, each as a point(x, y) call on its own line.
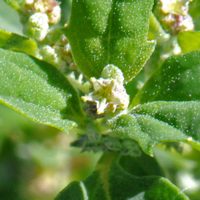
point(38, 18)
point(109, 93)
point(173, 15)
point(37, 15)
point(58, 53)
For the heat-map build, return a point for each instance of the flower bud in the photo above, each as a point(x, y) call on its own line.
point(54, 15)
point(37, 26)
point(173, 15)
point(49, 54)
point(111, 71)
point(29, 2)
point(51, 8)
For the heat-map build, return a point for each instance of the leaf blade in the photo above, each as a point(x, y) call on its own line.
point(15, 42)
point(160, 122)
point(177, 79)
point(110, 181)
point(183, 116)
point(146, 130)
point(189, 41)
point(38, 90)
point(99, 32)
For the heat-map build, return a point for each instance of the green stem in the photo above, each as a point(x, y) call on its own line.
point(157, 30)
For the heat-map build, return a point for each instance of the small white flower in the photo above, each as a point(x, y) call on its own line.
point(37, 26)
point(49, 7)
point(28, 2)
point(174, 15)
point(54, 15)
point(187, 24)
point(109, 93)
point(175, 6)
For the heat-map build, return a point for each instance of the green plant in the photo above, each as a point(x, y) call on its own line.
point(123, 74)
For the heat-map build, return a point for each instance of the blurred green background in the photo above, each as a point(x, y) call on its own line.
point(36, 161)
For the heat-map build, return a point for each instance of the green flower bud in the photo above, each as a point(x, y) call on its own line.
point(112, 72)
point(49, 54)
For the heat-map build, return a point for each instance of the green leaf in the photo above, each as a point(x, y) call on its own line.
point(182, 116)
point(189, 41)
point(18, 43)
point(110, 32)
point(37, 90)
point(178, 79)
point(9, 19)
point(156, 31)
point(133, 86)
point(159, 122)
point(146, 130)
point(16, 4)
point(110, 181)
point(194, 8)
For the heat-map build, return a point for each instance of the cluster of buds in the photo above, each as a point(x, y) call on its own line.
point(173, 15)
point(108, 93)
point(58, 53)
point(38, 15)
point(66, 53)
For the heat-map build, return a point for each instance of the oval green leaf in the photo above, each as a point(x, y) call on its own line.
point(38, 90)
point(177, 79)
point(16, 4)
point(110, 32)
point(159, 122)
point(146, 130)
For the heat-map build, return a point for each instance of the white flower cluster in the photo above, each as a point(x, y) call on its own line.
point(59, 53)
point(50, 7)
point(109, 93)
point(40, 14)
point(174, 15)
point(66, 53)
point(175, 6)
